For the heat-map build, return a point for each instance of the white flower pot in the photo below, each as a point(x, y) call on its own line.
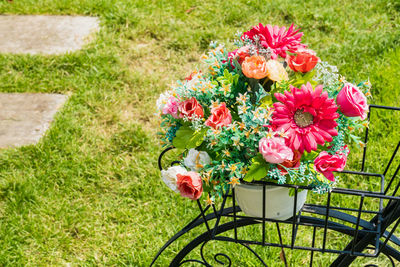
point(278, 203)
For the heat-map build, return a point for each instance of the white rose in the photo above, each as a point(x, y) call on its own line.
point(169, 176)
point(162, 100)
point(195, 160)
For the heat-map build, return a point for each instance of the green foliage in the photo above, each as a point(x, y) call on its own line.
point(258, 169)
point(188, 138)
point(228, 78)
point(301, 79)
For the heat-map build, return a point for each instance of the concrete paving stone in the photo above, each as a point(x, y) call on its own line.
point(37, 34)
point(24, 118)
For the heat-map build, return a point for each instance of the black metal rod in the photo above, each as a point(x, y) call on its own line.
point(326, 220)
point(391, 159)
point(263, 215)
point(391, 180)
point(365, 142)
point(341, 208)
point(390, 234)
point(384, 107)
point(294, 218)
point(203, 215)
point(280, 242)
point(234, 212)
point(220, 213)
point(313, 246)
point(358, 223)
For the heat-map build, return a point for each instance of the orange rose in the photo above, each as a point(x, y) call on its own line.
point(304, 61)
point(255, 67)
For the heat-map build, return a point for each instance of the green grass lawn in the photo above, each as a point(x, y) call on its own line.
point(89, 193)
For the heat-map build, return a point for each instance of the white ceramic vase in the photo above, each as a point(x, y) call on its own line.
point(278, 203)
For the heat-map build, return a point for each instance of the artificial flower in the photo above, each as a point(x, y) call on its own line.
point(279, 40)
point(352, 102)
point(307, 116)
point(304, 61)
point(169, 176)
point(242, 53)
point(190, 185)
point(162, 100)
point(220, 117)
point(171, 107)
point(274, 150)
point(255, 67)
point(196, 160)
point(231, 56)
point(294, 163)
point(190, 108)
point(275, 71)
point(326, 164)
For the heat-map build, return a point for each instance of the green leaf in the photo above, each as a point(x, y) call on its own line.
point(258, 169)
point(196, 139)
point(266, 101)
point(182, 137)
point(187, 138)
point(309, 156)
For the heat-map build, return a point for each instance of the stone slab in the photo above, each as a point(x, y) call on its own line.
point(37, 34)
point(24, 118)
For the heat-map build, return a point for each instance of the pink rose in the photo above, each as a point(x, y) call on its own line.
point(304, 61)
point(352, 102)
point(190, 185)
point(190, 108)
point(171, 107)
point(326, 163)
point(274, 150)
point(220, 117)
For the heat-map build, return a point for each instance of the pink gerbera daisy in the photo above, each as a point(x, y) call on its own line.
point(306, 115)
point(277, 39)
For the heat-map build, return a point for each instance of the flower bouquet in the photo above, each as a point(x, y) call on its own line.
point(270, 110)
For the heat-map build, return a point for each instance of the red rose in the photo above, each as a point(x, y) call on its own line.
point(242, 53)
point(303, 61)
point(326, 164)
point(190, 108)
point(220, 117)
point(294, 163)
point(190, 185)
point(352, 102)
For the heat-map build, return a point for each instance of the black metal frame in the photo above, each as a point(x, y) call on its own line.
point(373, 235)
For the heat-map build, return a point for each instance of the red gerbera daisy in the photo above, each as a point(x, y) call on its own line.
point(277, 39)
point(307, 116)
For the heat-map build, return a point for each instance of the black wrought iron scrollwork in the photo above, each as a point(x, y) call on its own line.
point(162, 155)
point(220, 258)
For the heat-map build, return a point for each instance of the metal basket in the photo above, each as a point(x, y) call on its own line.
point(369, 220)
